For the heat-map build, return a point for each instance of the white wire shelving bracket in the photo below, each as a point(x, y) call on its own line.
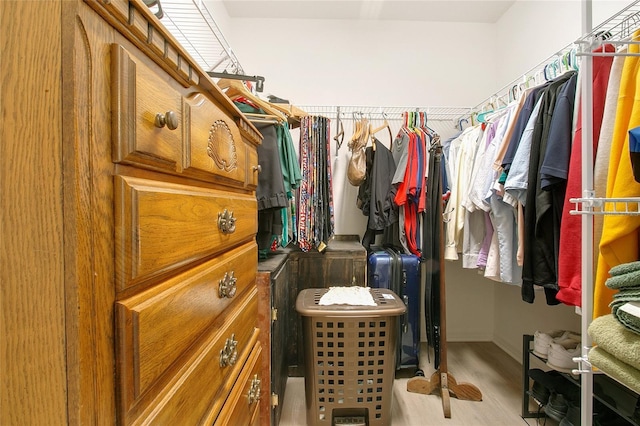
point(606, 206)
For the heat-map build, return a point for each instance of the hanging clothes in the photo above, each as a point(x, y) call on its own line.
point(570, 249)
point(410, 196)
point(376, 200)
point(431, 253)
point(619, 241)
point(270, 193)
point(315, 222)
point(461, 156)
point(291, 176)
point(539, 246)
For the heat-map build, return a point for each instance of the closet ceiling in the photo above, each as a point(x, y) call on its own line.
point(411, 10)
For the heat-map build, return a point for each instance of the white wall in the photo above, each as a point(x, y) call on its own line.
point(320, 62)
point(341, 62)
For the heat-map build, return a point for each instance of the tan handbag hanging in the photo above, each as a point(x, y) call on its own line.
point(357, 168)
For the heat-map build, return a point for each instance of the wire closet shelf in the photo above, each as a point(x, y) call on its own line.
point(191, 23)
point(616, 31)
point(354, 112)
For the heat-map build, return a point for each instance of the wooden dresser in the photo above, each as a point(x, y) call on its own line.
point(128, 226)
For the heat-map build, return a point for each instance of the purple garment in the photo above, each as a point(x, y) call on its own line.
point(486, 243)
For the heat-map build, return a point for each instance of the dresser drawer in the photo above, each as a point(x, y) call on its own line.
point(214, 148)
point(199, 388)
point(147, 113)
point(161, 226)
point(154, 328)
point(242, 406)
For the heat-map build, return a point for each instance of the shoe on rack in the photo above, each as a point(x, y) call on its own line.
point(572, 418)
point(560, 355)
point(557, 406)
point(543, 383)
point(540, 393)
point(542, 341)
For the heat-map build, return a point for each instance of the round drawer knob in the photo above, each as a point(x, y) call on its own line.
point(169, 119)
point(257, 168)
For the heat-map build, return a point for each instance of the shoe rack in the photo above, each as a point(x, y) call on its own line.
point(618, 399)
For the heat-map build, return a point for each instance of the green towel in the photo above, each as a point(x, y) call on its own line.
point(625, 268)
point(631, 322)
point(612, 366)
point(628, 280)
point(623, 296)
point(628, 314)
point(613, 337)
point(627, 295)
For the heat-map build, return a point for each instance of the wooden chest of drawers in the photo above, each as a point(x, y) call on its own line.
point(274, 282)
point(142, 199)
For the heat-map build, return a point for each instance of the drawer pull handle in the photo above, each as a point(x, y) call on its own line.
point(226, 222)
point(257, 168)
point(169, 119)
point(227, 286)
point(254, 390)
point(229, 354)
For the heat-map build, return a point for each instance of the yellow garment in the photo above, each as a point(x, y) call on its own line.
point(619, 241)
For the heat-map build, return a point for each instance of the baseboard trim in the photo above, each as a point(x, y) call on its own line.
point(514, 351)
point(469, 337)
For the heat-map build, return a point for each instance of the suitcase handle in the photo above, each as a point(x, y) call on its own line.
point(406, 314)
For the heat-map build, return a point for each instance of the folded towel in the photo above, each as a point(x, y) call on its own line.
point(629, 315)
point(625, 268)
point(354, 295)
point(622, 297)
point(632, 308)
point(612, 366)
point(613, 337)
point(629, 294)
point(623, 281)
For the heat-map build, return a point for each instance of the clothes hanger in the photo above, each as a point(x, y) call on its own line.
point(424, 119)
point(481, 117)
point(357, 125)
point(291, 111)
point(460, 121)
point(236, 89)
point(339, 137)
point(385, 125)
point(366, 127)
point(514, 92)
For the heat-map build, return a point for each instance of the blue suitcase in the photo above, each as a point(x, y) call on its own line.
point(401, 274)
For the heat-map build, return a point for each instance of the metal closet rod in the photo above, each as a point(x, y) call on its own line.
point(349, 112)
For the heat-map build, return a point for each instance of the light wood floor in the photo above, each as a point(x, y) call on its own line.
point(483, 364)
